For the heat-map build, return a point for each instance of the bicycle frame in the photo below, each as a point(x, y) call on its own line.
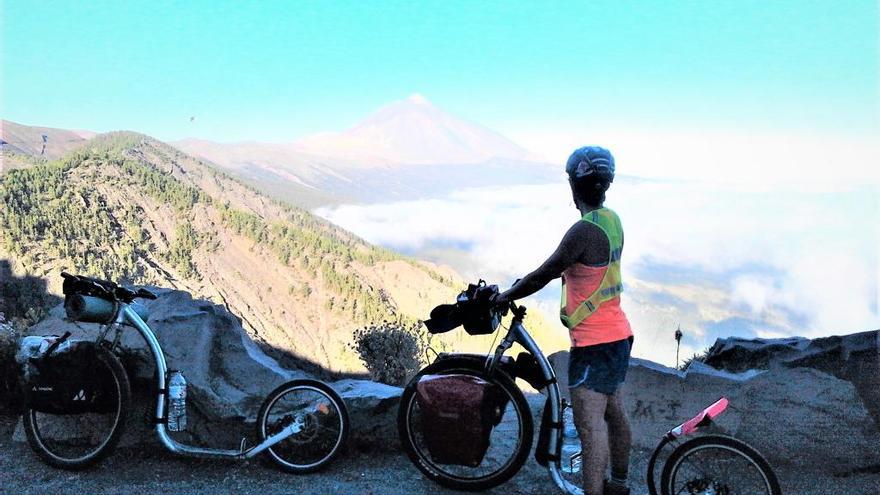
point(126, 315)
point(517, 333)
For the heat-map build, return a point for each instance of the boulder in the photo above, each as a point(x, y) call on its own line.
point(794, 416)
point(372, 408)
point(854, 358)
point(228, 375)
point(801, 417)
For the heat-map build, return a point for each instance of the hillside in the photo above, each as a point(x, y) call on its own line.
point(24, 145)
point(130, 208)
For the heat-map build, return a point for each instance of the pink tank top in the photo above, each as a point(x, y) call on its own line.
point(608, 323)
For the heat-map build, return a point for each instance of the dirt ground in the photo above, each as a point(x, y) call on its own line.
point(147, 471)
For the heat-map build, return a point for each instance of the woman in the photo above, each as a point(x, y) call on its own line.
point(588, 260)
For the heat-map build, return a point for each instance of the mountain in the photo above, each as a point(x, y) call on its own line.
point(406, 150)
point(413, 131)
point(129, 208)
point(23, 145)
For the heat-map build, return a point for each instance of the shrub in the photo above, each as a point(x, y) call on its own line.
point(701, 357)
point(392, 352)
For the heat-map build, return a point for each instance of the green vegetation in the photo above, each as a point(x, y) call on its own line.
point(699, 357)
point(180, 254)
point(301, 242)
point(44, 217)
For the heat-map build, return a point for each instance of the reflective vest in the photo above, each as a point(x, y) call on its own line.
point(611, 285)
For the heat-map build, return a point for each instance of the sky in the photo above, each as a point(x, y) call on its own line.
point(546, 74)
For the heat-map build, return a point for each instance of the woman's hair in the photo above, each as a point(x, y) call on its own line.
point(590, 190)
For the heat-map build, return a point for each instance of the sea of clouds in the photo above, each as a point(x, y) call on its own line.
point(718, 259)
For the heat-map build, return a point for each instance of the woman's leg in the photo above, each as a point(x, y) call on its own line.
point(589, 417)
point(619, 436)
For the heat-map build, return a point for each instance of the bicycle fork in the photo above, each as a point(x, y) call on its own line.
point(553, 422)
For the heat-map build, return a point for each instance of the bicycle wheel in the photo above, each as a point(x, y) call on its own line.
point(509, 444)
point(716, 464)
point(322, 419)
point(78, 441)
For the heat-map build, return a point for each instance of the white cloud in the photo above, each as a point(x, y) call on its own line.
point(781, 260)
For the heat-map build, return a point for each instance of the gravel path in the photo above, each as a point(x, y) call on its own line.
point(147, 471)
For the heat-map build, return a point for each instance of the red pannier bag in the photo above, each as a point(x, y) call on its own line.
point(458, 413)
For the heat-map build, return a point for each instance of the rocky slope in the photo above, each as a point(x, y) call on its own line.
point(23, 145)
point(130, 208)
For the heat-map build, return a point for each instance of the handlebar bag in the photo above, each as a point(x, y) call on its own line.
point(73, 381)
point(458, 415)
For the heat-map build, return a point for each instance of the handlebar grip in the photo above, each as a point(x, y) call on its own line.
point(144, 293)
point(67, 275)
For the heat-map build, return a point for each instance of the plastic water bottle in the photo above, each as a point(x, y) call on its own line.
point(176, 401)
point(570, 455)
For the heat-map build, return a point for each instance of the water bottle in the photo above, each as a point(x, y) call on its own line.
point(176, 401)
point(570, 455)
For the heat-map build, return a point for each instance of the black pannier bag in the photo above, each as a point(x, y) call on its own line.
point(72, 381)
point(458, 413)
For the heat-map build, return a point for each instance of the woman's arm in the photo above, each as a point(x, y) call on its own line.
point(569, 251)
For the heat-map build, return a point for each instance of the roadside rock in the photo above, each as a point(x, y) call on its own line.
point(227, 374)
point(805, 418)
point(854, 358)
point(372, 409)
point(795, 417)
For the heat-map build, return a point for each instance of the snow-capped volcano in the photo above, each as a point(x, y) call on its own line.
point(413, 131)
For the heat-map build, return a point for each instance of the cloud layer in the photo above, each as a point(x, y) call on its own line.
point(719, 260)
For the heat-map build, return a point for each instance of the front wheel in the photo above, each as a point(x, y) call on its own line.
point(509, 443)
point(321, 421)
point(720, 465)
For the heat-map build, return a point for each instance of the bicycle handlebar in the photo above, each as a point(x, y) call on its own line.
point(110, 289)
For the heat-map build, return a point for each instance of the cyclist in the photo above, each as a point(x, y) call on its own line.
point(588, 260)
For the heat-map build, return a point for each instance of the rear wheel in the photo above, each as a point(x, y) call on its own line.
point(77, 441)
point(319, 420)
point(717, 465)
point(509, 444)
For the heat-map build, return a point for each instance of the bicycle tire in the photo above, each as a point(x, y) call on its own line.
point(695, 445)
point(276, 453)
point(422, 460)
point(54, 458)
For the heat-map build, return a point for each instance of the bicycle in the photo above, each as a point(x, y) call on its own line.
point(302, 425)
point(687, 469)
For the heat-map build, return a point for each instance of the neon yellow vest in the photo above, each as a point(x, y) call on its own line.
point(611, 285)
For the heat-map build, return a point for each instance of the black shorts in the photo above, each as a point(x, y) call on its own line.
point(601, 367)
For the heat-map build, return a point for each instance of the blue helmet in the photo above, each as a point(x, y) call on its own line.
point(591, 161)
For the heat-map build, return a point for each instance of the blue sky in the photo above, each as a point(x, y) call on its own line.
point(281, 70)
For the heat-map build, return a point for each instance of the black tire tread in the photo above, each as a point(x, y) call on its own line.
point(723, 440)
